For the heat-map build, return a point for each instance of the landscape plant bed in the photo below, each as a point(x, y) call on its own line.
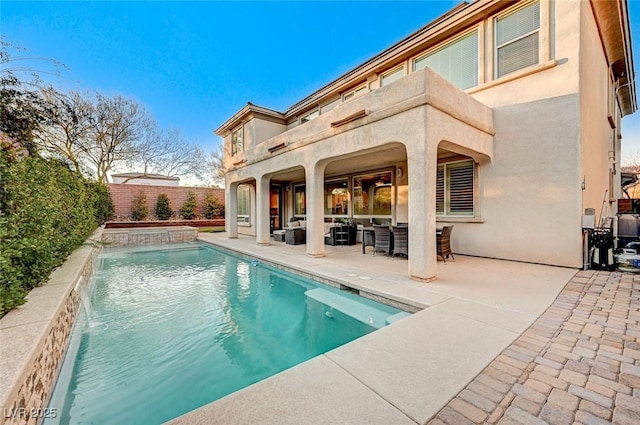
point(216, 222)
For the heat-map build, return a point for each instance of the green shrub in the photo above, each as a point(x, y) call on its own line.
point(46, 211)
point(212, 206)
point(102, 202)
point(188, 209)
point(163, 208)
point(139, 208)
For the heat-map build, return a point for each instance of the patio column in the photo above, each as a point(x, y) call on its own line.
point(422, 210)
point(314, 175)
point(262, 211)
point(231, 210)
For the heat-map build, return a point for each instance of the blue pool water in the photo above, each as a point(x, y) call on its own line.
point(171, 329)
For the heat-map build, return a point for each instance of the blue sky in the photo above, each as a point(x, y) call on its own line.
point(194, 64)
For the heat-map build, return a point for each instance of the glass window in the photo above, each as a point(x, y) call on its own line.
point(355, 92)
point(244, 204)
point(237, 141)
point(392, 76)
point(372, 195)
point(309, 116)
point(455, 189)
point(299, 200)
point(457, 61)
point(517, 39)
point(336, 198)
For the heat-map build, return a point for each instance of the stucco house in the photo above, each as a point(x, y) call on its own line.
point(501, 117)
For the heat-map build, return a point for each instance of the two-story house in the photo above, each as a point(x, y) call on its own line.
point(502, 117)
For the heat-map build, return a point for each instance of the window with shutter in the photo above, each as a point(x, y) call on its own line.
point(456, 61)
point(455, 189)
point(517, 39)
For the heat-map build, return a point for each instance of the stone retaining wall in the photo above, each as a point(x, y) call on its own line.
point(35, 338)
point(149, 235)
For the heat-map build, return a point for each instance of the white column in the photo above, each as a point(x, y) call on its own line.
point(422, 211)
point(262, 211)
point(231, 209)
point(314, 175)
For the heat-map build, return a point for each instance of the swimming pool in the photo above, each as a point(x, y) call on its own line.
point(170, 329)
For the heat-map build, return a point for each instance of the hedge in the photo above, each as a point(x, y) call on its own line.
point(46, 211)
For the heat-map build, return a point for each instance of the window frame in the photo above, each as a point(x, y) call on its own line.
point(234, 141)
point(449, 42)
point(296, 212)
point(346, 213)
point(355, 92)
point(307, 117)
point(446, 213)
point(400, 68)
point(505, 14)
point(392, 184)
point(244, 219)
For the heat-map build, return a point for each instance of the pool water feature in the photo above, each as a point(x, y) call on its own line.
point(172, 329)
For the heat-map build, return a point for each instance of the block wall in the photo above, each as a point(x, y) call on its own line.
point(123, 195)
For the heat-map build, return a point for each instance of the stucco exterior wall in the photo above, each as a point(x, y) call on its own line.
point(596, 135)
point(260, 130)
point(558, 74)
point(530, 193)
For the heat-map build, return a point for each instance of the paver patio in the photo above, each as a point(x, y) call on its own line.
point(579, 363)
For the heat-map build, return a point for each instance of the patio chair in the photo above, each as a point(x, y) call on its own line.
point(443, 244)
point(383, 238)
point(401, 240)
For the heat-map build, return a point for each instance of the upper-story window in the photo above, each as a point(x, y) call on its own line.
point(517, 35)
point(391, 76)
point(457, 61)
point(360, 90)
point(309, 116)
point(237, 140)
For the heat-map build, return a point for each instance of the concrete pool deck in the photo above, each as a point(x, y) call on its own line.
point(406, 372)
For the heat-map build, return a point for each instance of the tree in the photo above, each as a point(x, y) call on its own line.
point(167, 152)
point(188, 209)
point(215, 165)
point(21, 106)
point(139, 208)
point(67, 125)
point(163, 207)
point(116, 124)
point(212, 206)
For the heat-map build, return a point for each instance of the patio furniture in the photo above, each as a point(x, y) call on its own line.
point(295, 235)
point(401, 240)
point(341, 234)
point(278, 235)
point(368, 238)
point(443, 244)
point(383, 239)
point(296, 232)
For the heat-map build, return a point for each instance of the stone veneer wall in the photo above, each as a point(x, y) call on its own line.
point(33, 348)
point(31, 400)
point(149, 235)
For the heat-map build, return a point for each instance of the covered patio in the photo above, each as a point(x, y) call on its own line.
point(398, 135)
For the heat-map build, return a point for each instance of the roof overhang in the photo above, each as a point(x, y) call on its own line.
point(248, 112)
point(612, 17)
